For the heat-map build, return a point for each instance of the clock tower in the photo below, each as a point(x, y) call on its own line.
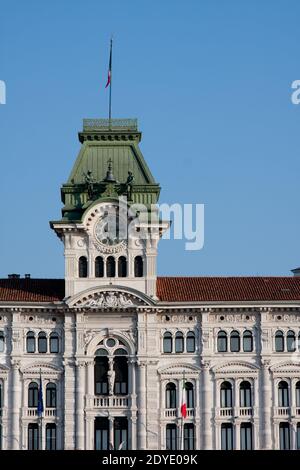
point(110, 225)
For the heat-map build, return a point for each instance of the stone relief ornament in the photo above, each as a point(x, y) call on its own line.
point(88, 336)
point(109, 300)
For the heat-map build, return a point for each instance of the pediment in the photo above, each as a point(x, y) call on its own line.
point(286, 367)
point(36, 368)
point(109, 298)
point(235, 367)
point(179, 370)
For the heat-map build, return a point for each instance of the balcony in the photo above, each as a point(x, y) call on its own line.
point(224, 412)
point(108, 402)
point(174, 413)
point(32, 412)
point(282, 410)
point(244, 411)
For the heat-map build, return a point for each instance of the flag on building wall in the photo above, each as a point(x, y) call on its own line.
point(40, 405)
point(183, 408)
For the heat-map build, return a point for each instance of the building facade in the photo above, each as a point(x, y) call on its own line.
point(117, 351)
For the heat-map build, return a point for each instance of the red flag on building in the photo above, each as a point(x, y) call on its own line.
point(109, 66)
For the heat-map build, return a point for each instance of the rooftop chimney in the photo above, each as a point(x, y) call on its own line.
point(296, 272)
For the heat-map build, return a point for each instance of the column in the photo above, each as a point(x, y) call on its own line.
point(237, 435)
point(141, 396)
point(79, 411)
point(265, 401)
point(206, 407)
point(111, 443)
point(15, 407)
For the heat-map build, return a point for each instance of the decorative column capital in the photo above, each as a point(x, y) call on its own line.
point(205, 364)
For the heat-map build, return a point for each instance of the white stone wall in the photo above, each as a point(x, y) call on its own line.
point(141, 328)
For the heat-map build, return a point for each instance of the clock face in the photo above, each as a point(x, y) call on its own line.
point(110, 229)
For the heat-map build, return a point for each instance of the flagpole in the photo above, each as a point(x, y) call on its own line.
point(182, 417)
point(110, 85)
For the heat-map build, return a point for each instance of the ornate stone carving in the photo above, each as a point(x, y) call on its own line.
point(88, 336)
point(109, 300)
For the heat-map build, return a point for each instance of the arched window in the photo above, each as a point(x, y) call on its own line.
point(222, 341)
point(2, 341)
point(247, 341)
point(42, 342)
point(121, 372)
point(33, 392)
point(110, 267)
point(101, 372)
point(279, 341)
point(189, 394)
point(291, 341)
point(99, 267)
point(226, 395)
point(51, 395)
point(190, 342)
point(179, 342)
point(245, 395)
point(54, 343)
point(171, 395)
point(30, 342)
point(298, 394)
point(122, 266)
point(168, 347)
point(138, 266)
point(283, 394)
point(234, 341)
point(82, 266)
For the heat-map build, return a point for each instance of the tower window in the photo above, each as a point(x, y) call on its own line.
point(122, 266)
point(99, 267)
point(110, 267)
point(82, 266)
point(138, 266)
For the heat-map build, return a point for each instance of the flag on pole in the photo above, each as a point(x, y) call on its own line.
point(183, 408)
point(109, 66)
point(40, 405)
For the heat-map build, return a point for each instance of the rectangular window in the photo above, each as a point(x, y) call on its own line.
point(33, 436)
point(246, 436)
point(298, 436)
point(171, 437)
point(120, 434)
point(226, 436)
point(284, 436)
point(101, 434)
point(51, 436)
point(189, 437)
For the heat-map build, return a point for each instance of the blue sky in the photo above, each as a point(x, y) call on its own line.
point(209, 81)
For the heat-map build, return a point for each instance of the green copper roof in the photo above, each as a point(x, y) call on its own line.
point(108, 144)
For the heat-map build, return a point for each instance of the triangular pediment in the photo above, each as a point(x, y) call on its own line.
point(235, 367)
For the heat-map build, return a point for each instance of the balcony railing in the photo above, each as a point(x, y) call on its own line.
point(174, 413)
point(114, 124)
point(48, 412)
point(244, 411)
point(224, 412)
point(110, 402)
point(282, 411)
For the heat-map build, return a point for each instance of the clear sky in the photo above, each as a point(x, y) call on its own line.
point(209, 81)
